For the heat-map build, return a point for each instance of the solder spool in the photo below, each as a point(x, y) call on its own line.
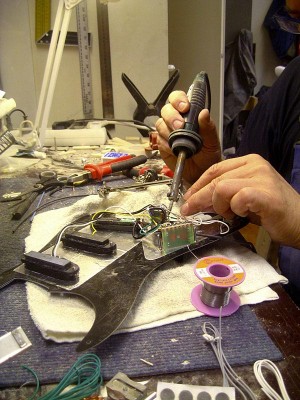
point(219, 275)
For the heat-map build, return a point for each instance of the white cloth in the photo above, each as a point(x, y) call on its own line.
point(165, 296)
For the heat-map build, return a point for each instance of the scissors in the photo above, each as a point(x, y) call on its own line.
point(49, 181)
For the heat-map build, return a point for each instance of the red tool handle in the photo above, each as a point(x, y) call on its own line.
point(100, 170)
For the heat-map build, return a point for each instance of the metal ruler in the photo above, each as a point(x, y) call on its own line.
point(43, 25)
point(84, 59)
point(42, 18)
point(105, 60)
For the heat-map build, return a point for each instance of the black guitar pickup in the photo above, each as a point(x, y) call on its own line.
point(59, 269)
point(88, 243)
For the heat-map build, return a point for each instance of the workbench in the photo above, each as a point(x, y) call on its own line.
point(280, 318)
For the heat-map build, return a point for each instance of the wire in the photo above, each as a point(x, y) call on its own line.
point(213, 336)
point(197, 219)
point(36, 381)
point(266, 388)
point(126, 122)
point(84, 377)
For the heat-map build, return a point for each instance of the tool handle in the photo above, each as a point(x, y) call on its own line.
point(98, 171)
point(24, 206)
point(197, 97)
point(128, 164)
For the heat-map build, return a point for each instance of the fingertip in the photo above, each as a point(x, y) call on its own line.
point(184, 210)
point(204, 116)
point(158, 123)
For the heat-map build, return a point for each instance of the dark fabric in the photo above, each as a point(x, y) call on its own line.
point(283, 42)
point(240, 80)
point(289, 258)
point(172, 348)
point(273, 126)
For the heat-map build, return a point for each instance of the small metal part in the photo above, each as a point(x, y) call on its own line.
point(120, 387)
point(104, 189)
point(13, 343)
point(173, 194)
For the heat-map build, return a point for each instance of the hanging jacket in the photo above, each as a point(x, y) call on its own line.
point(239, 81)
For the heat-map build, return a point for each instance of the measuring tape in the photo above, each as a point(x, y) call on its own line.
point(84, 59)
point(42, 18)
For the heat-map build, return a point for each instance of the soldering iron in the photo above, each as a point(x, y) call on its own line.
point(186, 142)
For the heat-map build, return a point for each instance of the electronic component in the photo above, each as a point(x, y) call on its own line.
point(176, 235)
point(120, 387)
point(88, 243)
point(112, 222)
point(58, 269)
point(13, 343)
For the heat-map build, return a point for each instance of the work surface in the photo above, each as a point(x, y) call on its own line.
point(280, 318)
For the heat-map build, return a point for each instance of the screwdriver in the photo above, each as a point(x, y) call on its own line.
point(186, 141)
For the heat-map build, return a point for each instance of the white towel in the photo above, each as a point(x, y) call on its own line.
point(165, 296)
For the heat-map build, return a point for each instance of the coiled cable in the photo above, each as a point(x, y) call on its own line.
point(84, 379)
point(265, 387)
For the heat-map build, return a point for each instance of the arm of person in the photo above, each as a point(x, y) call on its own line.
point(250, 187)
point(171, 120)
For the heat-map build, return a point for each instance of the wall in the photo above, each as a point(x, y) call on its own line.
point(196, 44)
point(139, 46)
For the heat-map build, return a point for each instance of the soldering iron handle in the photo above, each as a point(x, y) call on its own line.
point(197, 97)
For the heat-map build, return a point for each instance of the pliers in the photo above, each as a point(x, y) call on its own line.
point(145, 109)
point(48, 181)
point(98, 171)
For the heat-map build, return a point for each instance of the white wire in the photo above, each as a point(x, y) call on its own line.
point(230, 378)
point(84, 224)
point(266, 388)
point(197, 219)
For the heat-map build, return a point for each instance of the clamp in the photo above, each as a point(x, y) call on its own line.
point(145, 109)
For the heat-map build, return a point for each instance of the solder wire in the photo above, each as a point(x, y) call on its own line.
point(214, 296)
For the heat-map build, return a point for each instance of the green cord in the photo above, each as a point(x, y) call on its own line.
point(85, 375)
point(36, 380)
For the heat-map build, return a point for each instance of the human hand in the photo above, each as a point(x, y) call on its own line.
point(250, 187)
point(171, 120)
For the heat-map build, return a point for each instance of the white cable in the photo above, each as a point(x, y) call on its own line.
point(230, 378)
point(84, 224)
point(266, 388)
point(197, 219)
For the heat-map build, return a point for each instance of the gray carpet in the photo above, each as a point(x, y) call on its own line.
point(244, 342)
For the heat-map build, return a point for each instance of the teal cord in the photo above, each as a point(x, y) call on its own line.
point(36, 380)
point(84, 379)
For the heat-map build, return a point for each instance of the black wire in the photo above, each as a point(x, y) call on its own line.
point(42, 206)
point(74, 122)
point(17, 109)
